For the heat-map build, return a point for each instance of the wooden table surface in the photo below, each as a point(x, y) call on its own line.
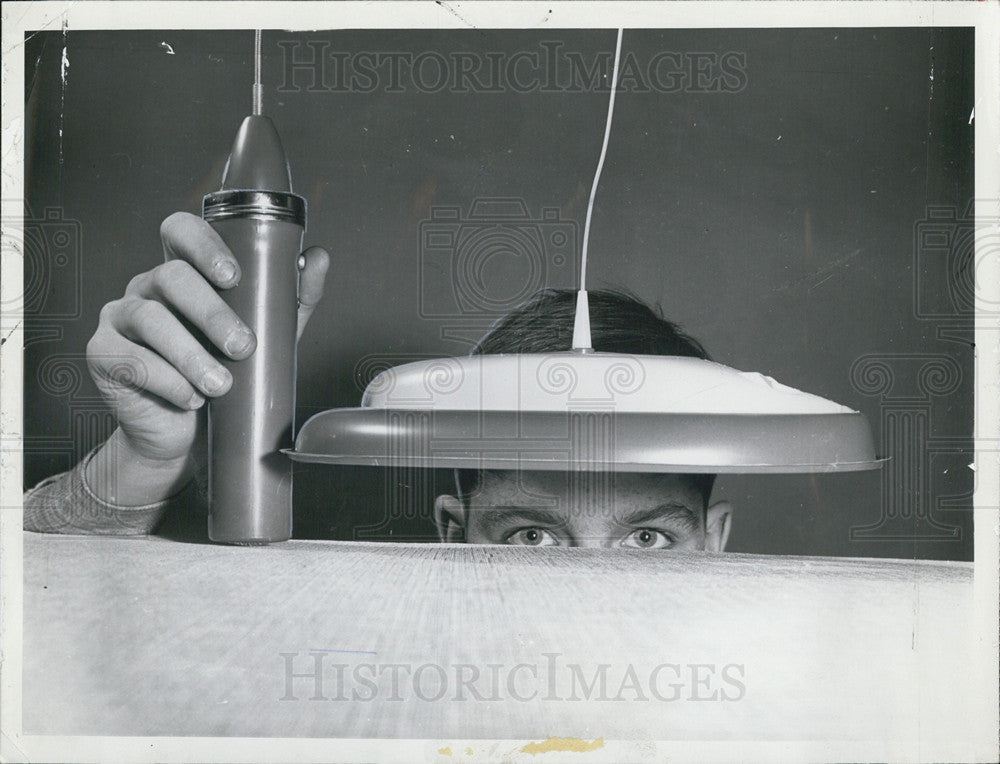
point(148, 636)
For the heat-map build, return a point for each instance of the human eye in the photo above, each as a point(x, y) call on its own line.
point(531, 537)
point(648, 538)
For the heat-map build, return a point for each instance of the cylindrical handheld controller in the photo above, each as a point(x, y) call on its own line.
point(262, 222)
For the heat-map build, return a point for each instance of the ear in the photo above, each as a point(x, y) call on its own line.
point(717, 521)
point(448, 516)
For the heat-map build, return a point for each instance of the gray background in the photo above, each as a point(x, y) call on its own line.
point(778, 224)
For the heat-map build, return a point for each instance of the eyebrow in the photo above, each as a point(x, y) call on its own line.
point(673, 511)
point(678, 512)
point(497, 515)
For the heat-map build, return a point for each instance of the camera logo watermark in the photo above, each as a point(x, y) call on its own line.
point(484, 263)
point(50, 247)
point(951, 246)
point(324, 675)
point(316, 66)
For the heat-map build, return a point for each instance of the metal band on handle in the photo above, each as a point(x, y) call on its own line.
point(271, 205)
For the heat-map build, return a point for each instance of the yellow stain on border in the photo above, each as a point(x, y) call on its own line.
point(446, 751)
point(563, 744)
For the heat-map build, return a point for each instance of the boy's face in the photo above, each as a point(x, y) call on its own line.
point(602, 510)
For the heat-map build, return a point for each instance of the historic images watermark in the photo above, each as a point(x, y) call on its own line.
point(484, 262)
point(49, 246)
point(947, 262)
point(323, 675)
point(317, 66)
point(950, 247)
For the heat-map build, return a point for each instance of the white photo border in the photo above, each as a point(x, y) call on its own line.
point(20, 18)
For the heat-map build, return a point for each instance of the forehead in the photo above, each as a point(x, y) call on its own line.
point(523, 487)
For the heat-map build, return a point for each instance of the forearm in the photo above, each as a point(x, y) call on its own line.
point(107, 493)
point(120, 476)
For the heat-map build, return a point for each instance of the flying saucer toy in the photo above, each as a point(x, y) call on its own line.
point(581, 410)
point(593, 411)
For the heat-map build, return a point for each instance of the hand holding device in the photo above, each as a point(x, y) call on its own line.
point(151, 357)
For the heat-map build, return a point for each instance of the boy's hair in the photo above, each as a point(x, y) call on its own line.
point(619, 323)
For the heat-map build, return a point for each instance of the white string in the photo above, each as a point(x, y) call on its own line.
point(581, 321)
point(600, 166)
point(258, 95)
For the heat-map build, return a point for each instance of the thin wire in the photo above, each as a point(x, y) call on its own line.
point(600, 166)
point(258, 95)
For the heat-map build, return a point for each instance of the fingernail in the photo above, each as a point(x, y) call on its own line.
point(214, 380)
point(195, 402)
point(225, 271)
point(238, 342)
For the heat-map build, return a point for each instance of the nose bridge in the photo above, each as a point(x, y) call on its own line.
point(590, 527)
point(590, 509)
point(592, 542)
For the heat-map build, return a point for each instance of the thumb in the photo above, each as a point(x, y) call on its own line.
point(313, 265)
